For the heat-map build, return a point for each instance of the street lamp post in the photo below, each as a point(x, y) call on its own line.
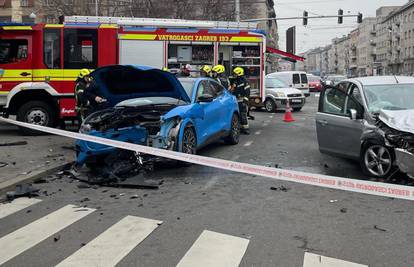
point(96, 7)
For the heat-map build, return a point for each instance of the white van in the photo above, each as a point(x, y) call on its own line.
point(295, 79)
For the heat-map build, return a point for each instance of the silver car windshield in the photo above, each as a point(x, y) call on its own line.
point(389, 97)
point(275, 83)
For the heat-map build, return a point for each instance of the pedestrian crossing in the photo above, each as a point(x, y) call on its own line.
point(112, 245)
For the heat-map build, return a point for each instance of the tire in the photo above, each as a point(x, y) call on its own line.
point(188, 144)
point(270, 105)
point(234, 136)
point(297, 109)
point(36, 112)
point(377, 160)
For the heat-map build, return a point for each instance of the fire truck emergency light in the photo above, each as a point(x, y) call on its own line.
point(175, 24)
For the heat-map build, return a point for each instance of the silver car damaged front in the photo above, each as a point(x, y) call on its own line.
point(397, 127)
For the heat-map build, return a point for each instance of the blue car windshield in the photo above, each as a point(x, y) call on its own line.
point(389, 97)
point(188, 86)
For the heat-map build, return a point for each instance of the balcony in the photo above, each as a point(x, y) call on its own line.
point(353, 47)
point(372, 42)
point(373, 52)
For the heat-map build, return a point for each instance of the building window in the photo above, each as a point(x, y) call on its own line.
point(24, 3)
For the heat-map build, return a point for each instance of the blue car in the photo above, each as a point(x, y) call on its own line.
point(148, 106)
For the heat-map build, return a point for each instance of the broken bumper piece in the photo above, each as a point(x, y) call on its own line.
point(405, 161)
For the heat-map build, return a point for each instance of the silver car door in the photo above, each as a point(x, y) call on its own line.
point(355, 127)
point(332, 121)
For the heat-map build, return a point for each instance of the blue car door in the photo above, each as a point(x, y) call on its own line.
point(208, 126)
point(224, 106)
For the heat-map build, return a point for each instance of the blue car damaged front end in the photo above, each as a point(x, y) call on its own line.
point(138, 98)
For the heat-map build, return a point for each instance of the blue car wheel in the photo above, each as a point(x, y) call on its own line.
point(234, 135)
point(189, 143)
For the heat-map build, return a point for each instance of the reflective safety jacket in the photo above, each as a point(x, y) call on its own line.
point(241, 88)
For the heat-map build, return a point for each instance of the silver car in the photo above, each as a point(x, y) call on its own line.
point(278, 94)
point(370, 119)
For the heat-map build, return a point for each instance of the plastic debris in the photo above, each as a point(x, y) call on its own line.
point(22, 190)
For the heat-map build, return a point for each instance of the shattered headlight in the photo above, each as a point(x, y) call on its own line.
point(85, 128)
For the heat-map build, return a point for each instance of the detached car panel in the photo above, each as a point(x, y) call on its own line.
point(151, 107)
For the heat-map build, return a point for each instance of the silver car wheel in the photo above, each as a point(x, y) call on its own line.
point(37, 116)
point(378, 160)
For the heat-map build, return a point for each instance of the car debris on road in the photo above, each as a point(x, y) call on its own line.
point(22, 190)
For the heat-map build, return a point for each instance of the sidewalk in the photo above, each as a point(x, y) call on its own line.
point(24, 162)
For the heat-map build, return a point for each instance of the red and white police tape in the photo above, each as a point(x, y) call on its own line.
point(345, 184)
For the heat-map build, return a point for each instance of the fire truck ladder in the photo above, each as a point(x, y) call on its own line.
point(166, 23)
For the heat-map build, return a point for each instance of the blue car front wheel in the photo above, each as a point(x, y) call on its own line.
point(189, 143)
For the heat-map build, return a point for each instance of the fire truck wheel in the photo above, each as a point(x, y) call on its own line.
point(36, 112)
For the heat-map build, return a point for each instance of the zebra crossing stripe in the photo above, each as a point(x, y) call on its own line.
point(215, 249)
point(30, 235)
point(315, 260)
point(114, 244)
point(17, 205)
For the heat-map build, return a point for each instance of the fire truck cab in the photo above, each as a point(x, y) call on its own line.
point(39, 63)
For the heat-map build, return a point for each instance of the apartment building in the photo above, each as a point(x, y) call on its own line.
point(342, 57)
point(382, 45)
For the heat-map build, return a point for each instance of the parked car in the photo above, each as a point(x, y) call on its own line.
point(295, 79)
point(332, 80)
point(152, 107)
point(315, 83)
point(278, 93)
point(370, 119)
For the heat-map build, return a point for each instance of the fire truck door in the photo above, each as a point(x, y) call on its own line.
point(15, 61)
point(52, 72)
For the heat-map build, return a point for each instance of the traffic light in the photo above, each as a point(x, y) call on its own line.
point(359, 20)
point(305, 18)
point(340, 16)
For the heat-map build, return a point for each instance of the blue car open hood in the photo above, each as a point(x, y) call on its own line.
point(121, 82)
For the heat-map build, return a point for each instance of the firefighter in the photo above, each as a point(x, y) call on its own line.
point(165, 69)
point(219, 74)
point(86, 94)
point(205, 71)
point(185, 71)
point(241, 89)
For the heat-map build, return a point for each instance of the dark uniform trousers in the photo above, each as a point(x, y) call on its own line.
point(242, 93)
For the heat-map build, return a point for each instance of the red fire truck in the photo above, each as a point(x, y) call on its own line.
point(39, 63)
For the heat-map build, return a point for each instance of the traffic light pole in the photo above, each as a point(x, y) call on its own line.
point(292, 18)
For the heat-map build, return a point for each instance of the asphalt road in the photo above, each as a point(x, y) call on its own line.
point(279, 226)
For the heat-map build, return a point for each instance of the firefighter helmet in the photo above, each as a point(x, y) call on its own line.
point(84, 72)
point(239, 71)
point(219, 69)
point(206, 69)
point(165, 69)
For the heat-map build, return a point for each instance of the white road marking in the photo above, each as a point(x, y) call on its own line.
point(265, 125)
point(16, 205)
point(114, 244)
point(258, 132)
point(215, 249)
point(248, 143)
point(317, 95)
point(315, 260)
point(30, 235)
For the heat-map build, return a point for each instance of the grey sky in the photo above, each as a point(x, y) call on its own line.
point(320, 32)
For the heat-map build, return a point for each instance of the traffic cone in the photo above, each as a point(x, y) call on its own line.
point(288, 113)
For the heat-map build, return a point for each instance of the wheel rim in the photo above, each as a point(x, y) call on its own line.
point(37, 116)
point(189, 141)
point(378, 160)
point(235, 128)
point(269, 105)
